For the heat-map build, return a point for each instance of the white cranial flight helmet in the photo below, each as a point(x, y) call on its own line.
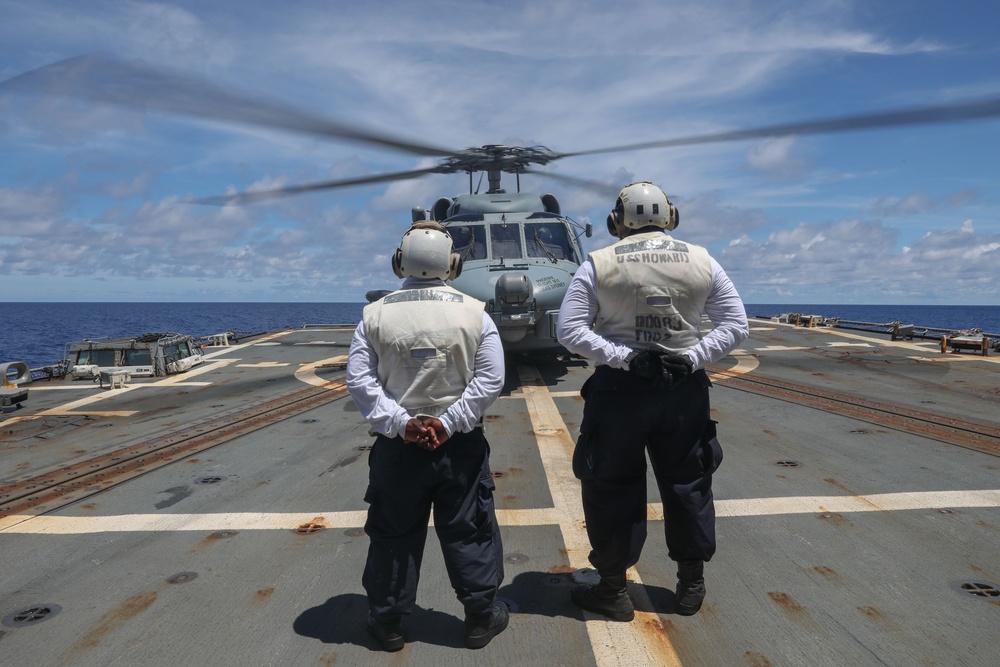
point(642, 205)
point(426, 252)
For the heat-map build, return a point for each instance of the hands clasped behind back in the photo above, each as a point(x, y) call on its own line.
point(426, 432)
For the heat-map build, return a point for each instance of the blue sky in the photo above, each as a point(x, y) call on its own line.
point(92, 196)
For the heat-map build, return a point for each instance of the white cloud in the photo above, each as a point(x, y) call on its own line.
point(102, 185)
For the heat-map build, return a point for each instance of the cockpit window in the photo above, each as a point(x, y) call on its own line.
point(140, 357)
point(469, 241)
point(505, 241)
point(99, 357)
point(548, 239)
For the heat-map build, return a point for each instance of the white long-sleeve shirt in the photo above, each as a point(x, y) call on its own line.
point(388, 417)
point(579, 309)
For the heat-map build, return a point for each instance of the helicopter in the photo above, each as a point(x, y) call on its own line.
point(517, 244)
point(519, 250)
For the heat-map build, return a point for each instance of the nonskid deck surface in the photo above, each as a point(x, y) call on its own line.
point(215, 517)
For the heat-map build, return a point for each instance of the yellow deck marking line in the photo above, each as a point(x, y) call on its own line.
point(307, 372)
point(321, 342)
point(226, 349)
point(879, 502)
point(943, 359)
point(613, 643)
point(50, 524)
point(73, 407)
point(158, 523)
point(264, 364)
point(62, 387)
point(559, 394)
point(186, 376)
point(744, 364)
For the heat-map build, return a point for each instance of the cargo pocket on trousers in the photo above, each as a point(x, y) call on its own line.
point(586, 456)
point(484, 506)
point(711, 448)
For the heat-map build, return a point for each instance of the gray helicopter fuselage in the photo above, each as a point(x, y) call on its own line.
point(519, 255)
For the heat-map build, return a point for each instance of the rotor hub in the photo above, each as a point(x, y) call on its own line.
point(494, 157)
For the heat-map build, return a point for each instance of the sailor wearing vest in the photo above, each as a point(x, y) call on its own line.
point(424, 365)
point(635, 309)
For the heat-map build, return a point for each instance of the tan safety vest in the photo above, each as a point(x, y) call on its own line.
point(651, 292)
point(426, 341)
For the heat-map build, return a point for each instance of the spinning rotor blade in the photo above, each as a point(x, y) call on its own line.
point(139, 86)
point(975, 110)
point(263, 195)
point(586, 184)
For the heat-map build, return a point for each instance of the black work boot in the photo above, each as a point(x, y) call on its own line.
point(479, 631)
point(608, 597)
point(690, 586)
point(389, 635)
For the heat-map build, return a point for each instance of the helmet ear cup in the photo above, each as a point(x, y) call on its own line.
point(616, 220)
point(397, 263)
point(612, 226)
point(674, 217)
point(455, 266)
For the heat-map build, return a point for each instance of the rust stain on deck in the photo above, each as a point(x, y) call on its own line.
point(116, 618)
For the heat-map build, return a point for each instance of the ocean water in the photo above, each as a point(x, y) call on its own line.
point(37, 333)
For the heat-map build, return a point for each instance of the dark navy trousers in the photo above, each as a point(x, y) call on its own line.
point(407, 483)
point(625, 417)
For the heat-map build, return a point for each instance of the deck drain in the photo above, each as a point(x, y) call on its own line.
point(209, 480)
point(497, 474)
point(860, 431)
point(978, 589)
point(308, 421)
point(182, 577)
point(364, 448)
point(31, 615)
point(354, 532)
point(787, 464)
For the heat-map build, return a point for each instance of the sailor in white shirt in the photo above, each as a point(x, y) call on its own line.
point(635, 309)
point(424, 365)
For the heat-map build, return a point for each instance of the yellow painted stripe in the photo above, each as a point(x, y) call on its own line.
point(613, 643)
point(307, 372)
point(733, 508)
